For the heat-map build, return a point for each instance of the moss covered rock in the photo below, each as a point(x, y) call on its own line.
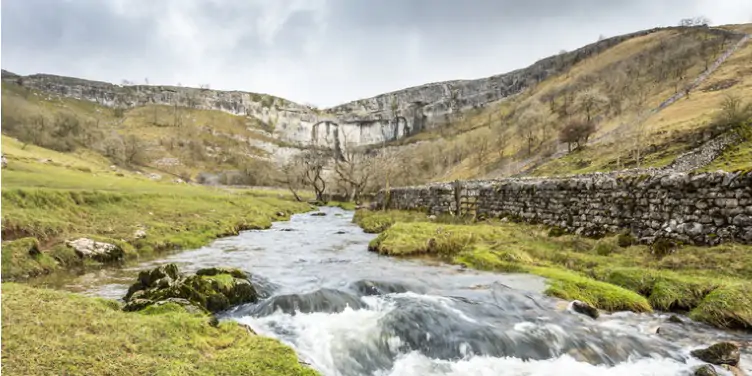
point(705, 370)
point(216, 289)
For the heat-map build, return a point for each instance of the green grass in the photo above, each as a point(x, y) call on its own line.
point(21, 257)
point(600, 272)
point(59, 200)
point(572, 286)
point(47, 332)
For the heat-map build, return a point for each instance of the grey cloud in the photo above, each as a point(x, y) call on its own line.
point(320, 51)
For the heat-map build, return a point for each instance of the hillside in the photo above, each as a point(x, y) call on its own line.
point(641, 99)
point(622, 91)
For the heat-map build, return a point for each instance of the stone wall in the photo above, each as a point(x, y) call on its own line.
point(706, 208)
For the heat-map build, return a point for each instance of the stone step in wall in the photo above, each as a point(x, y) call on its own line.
point(707, 208)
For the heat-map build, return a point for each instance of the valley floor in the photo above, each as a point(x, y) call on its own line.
point(712, 284)
point(49, 198)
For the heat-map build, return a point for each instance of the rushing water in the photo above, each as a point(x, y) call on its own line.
point(348, 311)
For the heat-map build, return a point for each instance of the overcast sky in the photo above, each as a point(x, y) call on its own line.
point(322, 52)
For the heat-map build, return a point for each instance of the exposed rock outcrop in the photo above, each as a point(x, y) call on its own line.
point(368, 121)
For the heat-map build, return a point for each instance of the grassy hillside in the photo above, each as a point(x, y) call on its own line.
point(612, 91)
point(170, 141)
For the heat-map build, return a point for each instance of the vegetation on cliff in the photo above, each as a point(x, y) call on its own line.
point(51, 332)
point(611, 273)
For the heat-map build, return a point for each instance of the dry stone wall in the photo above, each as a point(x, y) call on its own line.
point(706, 208)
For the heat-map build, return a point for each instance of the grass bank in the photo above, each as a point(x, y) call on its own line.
point(713, 284)
point(49, 332)
point(50, 197)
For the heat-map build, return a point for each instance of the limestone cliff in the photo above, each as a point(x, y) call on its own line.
point(371, 121)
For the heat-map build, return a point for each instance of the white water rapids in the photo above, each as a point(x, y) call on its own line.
point(347, 311)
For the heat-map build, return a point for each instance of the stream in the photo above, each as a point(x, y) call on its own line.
point(347, 311)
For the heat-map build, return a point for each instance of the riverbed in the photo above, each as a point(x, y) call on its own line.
point(347, 311)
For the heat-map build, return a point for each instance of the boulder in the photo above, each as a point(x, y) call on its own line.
point(720, 353)
point(584, 309)
point(705, 370)
point(211, 289)
point(318, 214)
point(3, 161)
point(99, 251)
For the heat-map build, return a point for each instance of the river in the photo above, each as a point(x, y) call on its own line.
point(347, 311)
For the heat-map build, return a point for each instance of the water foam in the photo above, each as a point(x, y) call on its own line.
point(328, 342)
point(415, 364)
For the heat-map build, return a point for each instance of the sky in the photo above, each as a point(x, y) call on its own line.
point(318, 52)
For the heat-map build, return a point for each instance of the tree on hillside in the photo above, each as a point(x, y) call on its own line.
point(501, 139)
point(734, 113)
point(529, 125)
point(481, 140)
point(590, 101)
point(134, 150)
point(575, 133)
point(33, 132)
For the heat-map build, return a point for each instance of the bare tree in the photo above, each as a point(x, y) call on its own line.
point(576, 132)
point(313, 162)
point(292, 176)
point(354, 168)
point(34, 131)
point(590, 101)
point(134, 150)
point(481, 140)
point(529, 124)
point(501, 139)
point(386, 162)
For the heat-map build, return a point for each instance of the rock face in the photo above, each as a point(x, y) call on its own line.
point(704, 208)
point(720, 353)
point(212, 289)
point(99, 251)
point(363, 122)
